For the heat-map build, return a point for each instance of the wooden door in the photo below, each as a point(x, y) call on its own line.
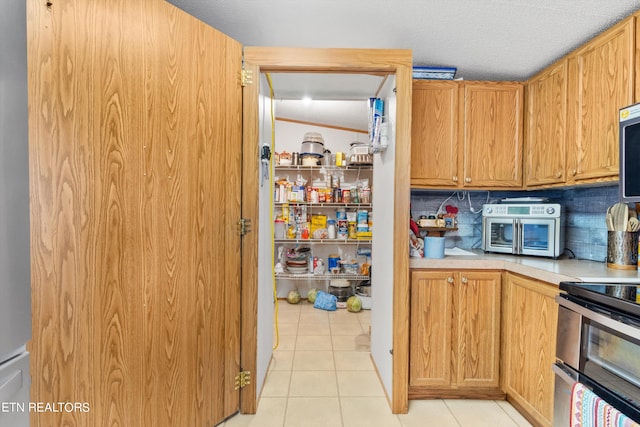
point(492, 134)
point(430, 328)
point(600, 82)
point(135, 180)
point(531, 317)
point(545, 123)
point(477, 329)
point(434, 134)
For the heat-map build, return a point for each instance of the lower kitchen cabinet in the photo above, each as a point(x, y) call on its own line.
point(455, 334)
point(530, 320)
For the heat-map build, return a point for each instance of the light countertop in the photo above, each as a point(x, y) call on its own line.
point(545, 269)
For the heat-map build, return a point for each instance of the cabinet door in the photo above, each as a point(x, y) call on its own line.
point(434, 134)
point(134, 123)
point(477, 329)
point(530, 323)
point(430, 328)
point(600, 82)
point(545, 121)
point(492, 134)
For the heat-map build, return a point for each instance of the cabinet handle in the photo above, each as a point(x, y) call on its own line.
point(455, 179)
point(574, 172)
point(449, 279)
point(464, 280)
point(558, 174)
point(467, 179)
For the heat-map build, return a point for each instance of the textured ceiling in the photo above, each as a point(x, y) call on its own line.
point(483, 39)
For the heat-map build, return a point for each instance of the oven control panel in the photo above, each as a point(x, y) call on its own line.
point(538, 210)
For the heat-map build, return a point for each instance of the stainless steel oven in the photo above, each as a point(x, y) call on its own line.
point(598, 345)
point(523, 229)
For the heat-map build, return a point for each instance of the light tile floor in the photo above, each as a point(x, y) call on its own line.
point(321, 374)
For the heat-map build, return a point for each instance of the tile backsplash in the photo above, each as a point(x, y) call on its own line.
point(584, 208)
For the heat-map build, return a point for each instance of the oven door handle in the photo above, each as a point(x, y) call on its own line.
point(600, 318)
point(567, 374)
point(516, 236)
point(571, 376)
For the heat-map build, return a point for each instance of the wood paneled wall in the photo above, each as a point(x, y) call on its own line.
point(134, 175)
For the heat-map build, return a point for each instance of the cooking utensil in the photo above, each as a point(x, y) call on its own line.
point(633, 225)
point(620, 216)
point(609, 219)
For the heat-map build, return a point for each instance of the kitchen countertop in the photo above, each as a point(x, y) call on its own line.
point(545, 269)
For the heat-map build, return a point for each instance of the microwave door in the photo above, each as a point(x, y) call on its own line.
point(537, 237)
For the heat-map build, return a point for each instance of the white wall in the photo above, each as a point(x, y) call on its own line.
point(265, 252)
point(382, 248)
point(290, 136)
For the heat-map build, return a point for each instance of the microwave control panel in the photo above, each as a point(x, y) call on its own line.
point(540, 210)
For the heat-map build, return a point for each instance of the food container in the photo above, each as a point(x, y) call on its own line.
point(333, 263)
point(280, 229)
point(361, 159)
point(358, 147)
point(284, 159)
point(313, 136)
point(350, 267)
point(310, 160)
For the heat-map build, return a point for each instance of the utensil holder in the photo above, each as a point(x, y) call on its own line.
point(622, 250)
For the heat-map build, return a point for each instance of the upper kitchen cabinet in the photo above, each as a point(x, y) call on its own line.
point(600, 82)
point(545, 126)
point(434, 133)
point(479, 133)
point(492, 135)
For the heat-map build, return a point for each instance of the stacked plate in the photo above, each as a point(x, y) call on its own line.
point(297, 265)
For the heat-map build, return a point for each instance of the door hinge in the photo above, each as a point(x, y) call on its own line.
point(244, 225)
point(246, 77)
point(242, 379)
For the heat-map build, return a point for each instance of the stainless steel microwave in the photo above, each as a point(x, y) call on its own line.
point(523, 229)
point(630, 153)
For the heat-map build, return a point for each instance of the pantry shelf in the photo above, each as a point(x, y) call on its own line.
point(437, 231)
point(311, 276)
point(327, 205)
point(325, 241)
point(317, 168)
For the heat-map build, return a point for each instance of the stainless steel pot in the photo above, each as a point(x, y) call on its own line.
point(312, 147)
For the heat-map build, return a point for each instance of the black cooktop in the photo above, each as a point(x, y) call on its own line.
point(624, 297)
